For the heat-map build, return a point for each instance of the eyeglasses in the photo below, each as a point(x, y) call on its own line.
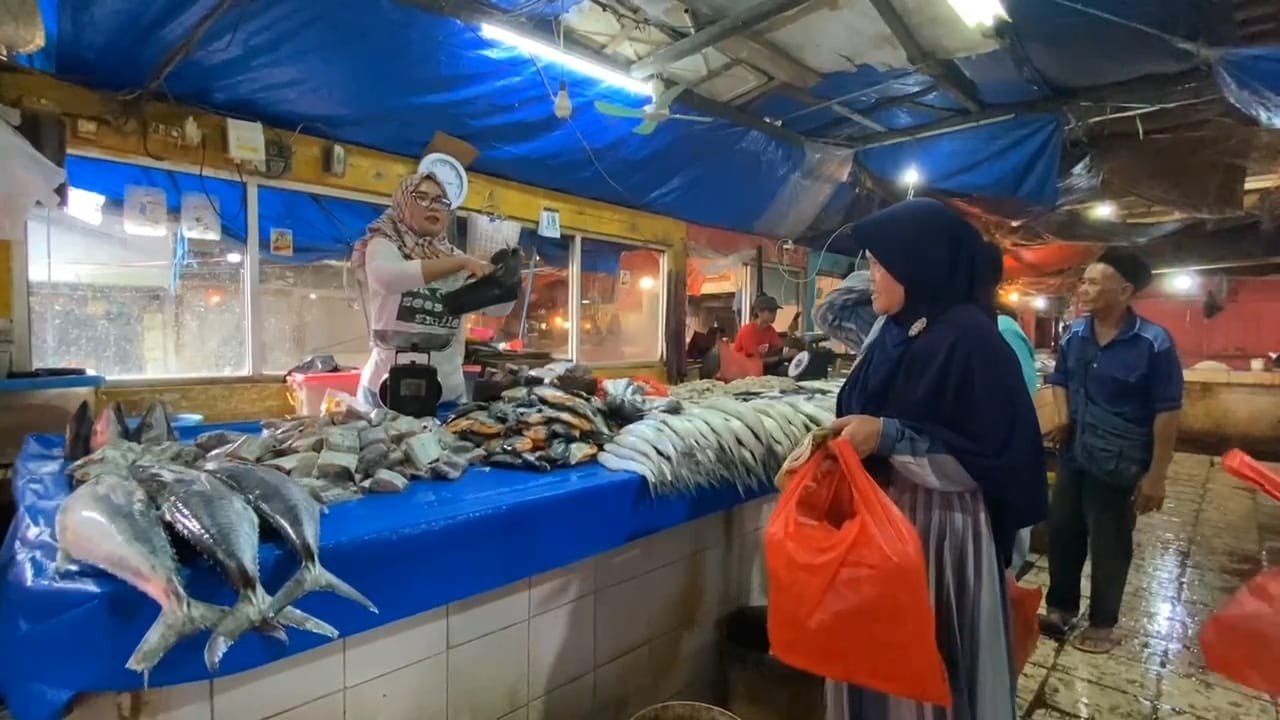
point(424, 200)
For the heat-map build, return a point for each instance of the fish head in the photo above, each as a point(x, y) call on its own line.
point(79, 433)
point(109, 427)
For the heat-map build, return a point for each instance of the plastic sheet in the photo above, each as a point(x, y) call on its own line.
point(28, 179)
point(409, 553)
point(1250, 78)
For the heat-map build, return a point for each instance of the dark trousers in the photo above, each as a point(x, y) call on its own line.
point(1089, 517)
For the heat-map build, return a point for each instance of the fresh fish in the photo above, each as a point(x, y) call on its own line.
point(221, 525)
point(575, 404)
point(813, 409)
point(523, 461)
point(288, 463)
point(458, 456)
point(306, 442)
point(424, 450)
point(384, 481)
point(614, 462)
point(248, 448)
point(371, 459)
point(477, 423)
point(342, 438)
point(154, 427)
point(115, 458)
point(112, 525)
point(660, 473)
point(295, 514)
point(170, 453)
point(210, 441)
point(110, 427)
point(466, 409)
point(373, 436)
point(337, 467)
point(79, 433)
point(400, 427)
point(580, 452)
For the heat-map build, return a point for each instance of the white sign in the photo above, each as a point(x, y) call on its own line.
point(624, 278)
point(549, 223)
point(200, 219)
point(146, 211)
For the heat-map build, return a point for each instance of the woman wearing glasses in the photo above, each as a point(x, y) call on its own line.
point(404, 264)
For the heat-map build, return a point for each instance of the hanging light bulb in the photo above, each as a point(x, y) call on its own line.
point(564, 107)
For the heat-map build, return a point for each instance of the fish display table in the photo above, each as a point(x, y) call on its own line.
point(436, 543)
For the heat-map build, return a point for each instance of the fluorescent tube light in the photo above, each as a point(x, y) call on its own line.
point(554, 54)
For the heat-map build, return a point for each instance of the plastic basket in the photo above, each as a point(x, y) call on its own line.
point(307, 392)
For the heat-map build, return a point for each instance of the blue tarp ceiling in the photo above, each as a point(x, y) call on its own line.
point(387, 76)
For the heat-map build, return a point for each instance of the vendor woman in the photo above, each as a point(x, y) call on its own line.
point(404, 264)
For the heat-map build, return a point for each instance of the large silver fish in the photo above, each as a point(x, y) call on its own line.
point(154, 427)
point(109, 427)
point(293, 512)
point(112, 524)
point(222, 526)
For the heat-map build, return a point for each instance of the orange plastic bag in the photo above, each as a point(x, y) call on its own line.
point(1245, 468)
point(1241, 641)
point(848, 587)
point(735, 365)
point(1024, 622)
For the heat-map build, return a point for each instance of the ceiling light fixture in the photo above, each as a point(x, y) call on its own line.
point(551, 53)
point(1104, 210)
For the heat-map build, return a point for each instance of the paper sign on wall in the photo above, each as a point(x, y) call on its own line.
point(146, 211)
point(200, 219)
point(624, 278)
point(281, 241)
point(549, 223)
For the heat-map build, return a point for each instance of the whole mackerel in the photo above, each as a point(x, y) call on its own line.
point(219, 523)
point(292, 511)
point(112, 525)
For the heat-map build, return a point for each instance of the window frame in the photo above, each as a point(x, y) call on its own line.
point(575, 296)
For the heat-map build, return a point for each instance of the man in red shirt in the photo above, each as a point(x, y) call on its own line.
point(758, 338)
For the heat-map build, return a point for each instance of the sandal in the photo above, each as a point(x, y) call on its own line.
point(1096, 641)
point(1057, 625)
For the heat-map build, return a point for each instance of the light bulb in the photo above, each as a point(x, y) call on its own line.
point(563, 107)
point(1183, 282)
point(1040, 303)
point(1104, 210)
point(234, 257)
point(646, 283)
point(1013, 296)
point(910, 176)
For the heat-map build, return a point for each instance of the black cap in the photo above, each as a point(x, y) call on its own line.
point(1129, 266)
point(764, 302)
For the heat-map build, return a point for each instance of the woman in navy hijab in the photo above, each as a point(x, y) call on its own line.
point(937, 408)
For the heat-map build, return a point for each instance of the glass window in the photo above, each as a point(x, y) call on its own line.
point(715, 296)
point(787, 286)
point(621, 315)
point(310, 302)
point(124, 282)
point(539, 319)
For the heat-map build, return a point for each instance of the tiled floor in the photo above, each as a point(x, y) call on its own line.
point(1213, 535)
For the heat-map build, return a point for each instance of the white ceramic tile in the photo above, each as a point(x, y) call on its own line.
point(671, 545)
point(391, 647)
point(625, 563)
point(417, 692)
point(561, 645)
point(569, 702)
point(623, 686)
point(489, 677)
point(712, 584)
point(329, 707)
point(553, 589)
point(681, 660)
point(710, 531)
point(747, 574)
point(752, 515)
point(179, 702)
point(489, 612)
point(521, 714)
point(622, 618)
point(674, 596)
point(280, 686)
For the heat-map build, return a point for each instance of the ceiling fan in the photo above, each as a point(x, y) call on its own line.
point(651, 115)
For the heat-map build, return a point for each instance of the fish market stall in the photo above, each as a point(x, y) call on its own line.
point(622, 567)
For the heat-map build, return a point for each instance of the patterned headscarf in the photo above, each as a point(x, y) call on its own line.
point(393, 226)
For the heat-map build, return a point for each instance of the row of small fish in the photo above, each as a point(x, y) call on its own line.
point(117, 523)
point(717, 441)
point(703, 389)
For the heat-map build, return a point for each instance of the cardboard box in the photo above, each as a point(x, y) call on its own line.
point(1051, 414)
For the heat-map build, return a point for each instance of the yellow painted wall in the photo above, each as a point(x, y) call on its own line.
point(101, 124)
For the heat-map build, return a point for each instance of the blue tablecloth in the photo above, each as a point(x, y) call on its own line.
point(409, 553)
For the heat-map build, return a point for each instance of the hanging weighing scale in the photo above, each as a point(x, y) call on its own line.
point(412, 388)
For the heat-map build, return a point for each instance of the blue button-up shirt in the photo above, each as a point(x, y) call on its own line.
point(1136, 376)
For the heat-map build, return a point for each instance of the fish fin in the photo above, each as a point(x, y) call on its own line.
point(311, 577)
point(273, 630)
point(63, 562)
point(295, 618)
point(248, 612)
point(172, 626)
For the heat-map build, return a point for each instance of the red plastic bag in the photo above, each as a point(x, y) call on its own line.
point(735, 365)
point(1241, 641)
point(1024, 622)
point(1245, 468)
point(848, 586)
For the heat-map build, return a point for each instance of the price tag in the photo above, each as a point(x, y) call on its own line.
point(549, 223)
point(281, 241)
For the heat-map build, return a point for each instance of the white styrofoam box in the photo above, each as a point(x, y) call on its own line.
point(489, 612)
point(191, 701)
point(622, 618)
point(561, 645)
point(329, 707)
point(572, 701)
point(489, 677)
point(417, 692)
point(623, 686)
point(400, 644)
point(283, 685)
point(550, 590)
point(711, 530)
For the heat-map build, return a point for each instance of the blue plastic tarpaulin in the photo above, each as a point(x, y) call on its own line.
point(1250, 78)
point(323, 227)
point(431, 545)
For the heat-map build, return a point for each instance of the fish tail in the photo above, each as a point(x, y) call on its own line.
point(295, 618)
point(312, 577)
point(175, 623)
point(250, 610)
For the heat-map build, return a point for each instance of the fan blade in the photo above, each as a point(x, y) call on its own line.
point(622, 111)
point(691, 118)
point(645, 128)
point(668, 96)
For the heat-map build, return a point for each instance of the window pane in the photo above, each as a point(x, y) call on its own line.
point(787, 286)
point(539, 318)
point(311, 302)
point(131, 305)
point(621, 303)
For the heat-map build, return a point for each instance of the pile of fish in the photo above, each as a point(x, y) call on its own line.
point(537, 427)
point(701, 389)
point(722, 440)
point(116, 520)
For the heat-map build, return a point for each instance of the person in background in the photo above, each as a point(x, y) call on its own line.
point(1120, 377)
point(759, 338)
point(937, 408)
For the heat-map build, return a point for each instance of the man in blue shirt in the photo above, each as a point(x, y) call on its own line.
point(1121, 379)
